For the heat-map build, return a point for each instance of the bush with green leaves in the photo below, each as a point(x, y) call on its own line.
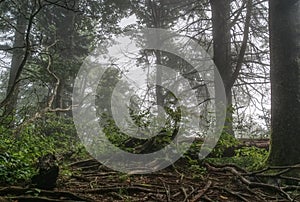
point(250, 158)
point(226, 141)
point(19, 154)
point(63, 132)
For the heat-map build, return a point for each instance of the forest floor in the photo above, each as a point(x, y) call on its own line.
point(91, 181)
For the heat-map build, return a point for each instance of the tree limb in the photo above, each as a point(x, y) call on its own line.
point(244, 44)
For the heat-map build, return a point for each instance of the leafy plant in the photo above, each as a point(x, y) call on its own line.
point(19, 155)
point(250, 158)
point(226, 141)
point(253, 158)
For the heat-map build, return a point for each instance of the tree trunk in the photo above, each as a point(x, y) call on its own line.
point(65, 32)
point(222, 53)
point(285, 81)
point(17, 56)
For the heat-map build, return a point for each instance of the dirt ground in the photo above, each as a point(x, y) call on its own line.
point(91, 181)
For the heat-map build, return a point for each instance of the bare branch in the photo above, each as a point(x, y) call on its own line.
point(244, 44)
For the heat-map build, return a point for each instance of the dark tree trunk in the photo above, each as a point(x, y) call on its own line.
point(285, 81)
point(222, 53)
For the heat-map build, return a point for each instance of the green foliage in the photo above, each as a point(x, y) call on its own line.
point(197, 171)
point(63, 133)
point(124, 177)
point(18, 156)
point(127, 143)
point(250, 158)
point(66, 171)
point(225, 141)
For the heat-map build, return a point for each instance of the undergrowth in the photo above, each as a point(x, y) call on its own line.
point(250, 158)
point(19, 154)
point(53, 134)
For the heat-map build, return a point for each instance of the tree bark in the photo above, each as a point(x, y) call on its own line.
point(285, 81)
point(17, 57)
point(222, 54)
point(65, 33)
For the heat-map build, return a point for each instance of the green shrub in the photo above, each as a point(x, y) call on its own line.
point(52, 134)
point(19, 156)
point(225, 141)
point(250, 158)
point(63, 133)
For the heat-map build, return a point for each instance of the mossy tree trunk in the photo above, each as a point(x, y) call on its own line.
point(285, 81)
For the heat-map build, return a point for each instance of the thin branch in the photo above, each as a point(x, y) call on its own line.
point(244, 43)
point(202, 192)
point(51, 100)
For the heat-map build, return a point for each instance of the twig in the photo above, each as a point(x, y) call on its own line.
point(118, 188)
point(207, 199)
point(202, 191)
point(248, 182)
point(191, 193)
point(184, 192)
point(236, 194)
point(167, 189)
point(38, 198)
point(81, 178)
point(18, 191)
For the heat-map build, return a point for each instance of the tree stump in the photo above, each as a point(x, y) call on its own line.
point(47, 172)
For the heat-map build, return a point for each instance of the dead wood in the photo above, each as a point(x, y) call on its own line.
point(21, 192)
point(247, 182)
point(202, 192)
